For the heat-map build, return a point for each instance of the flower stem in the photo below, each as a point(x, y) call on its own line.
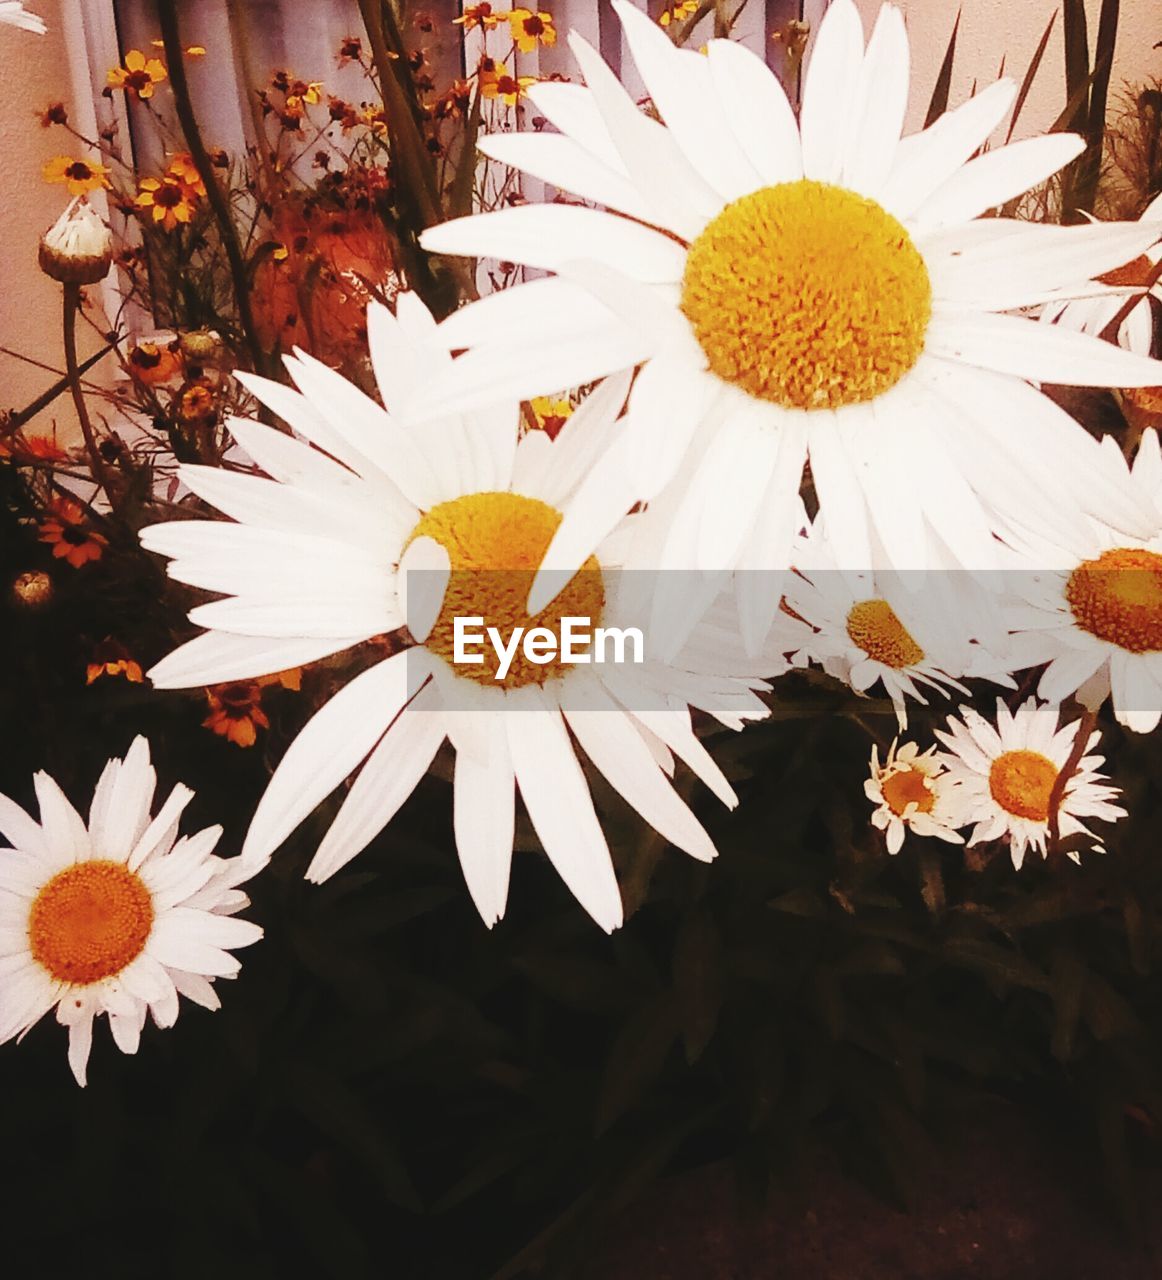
point(1068, 769)
point(97, 465)
point(171, 39)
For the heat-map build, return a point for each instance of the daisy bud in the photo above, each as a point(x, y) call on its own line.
point(78, 248)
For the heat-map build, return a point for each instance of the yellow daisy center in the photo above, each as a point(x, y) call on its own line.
point(807, 295)
point(1118, 598)
point(1021, 782)
point(90, 921)
point(496, 542)
point(909, 786)
point(872, 626)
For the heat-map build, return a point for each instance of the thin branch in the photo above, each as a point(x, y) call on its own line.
point(1068, 769)
point(72, 304)
point(171, 39)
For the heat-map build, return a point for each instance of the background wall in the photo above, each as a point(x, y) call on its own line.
point(39, 66)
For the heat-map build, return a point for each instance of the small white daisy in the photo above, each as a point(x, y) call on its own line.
point(873, 627)
point(912, 791)
point(819, 290)
point(116, 916)
point(337, 547)
point(1092, 315)
point(1095, 616)
point(1006, 776)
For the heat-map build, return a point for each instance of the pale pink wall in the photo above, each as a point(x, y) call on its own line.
point(36, 70)
point(990, 29)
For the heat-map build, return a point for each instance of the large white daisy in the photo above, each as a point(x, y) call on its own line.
point(821, 289)
point(393, 505)
point(1095, 616)
point(114, 916)
point(1005, 776)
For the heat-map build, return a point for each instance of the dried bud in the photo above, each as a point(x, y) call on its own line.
point(78, 248)
point(201, 347)
point(33, 590)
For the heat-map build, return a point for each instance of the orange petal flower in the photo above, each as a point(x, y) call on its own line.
point(138, 75)
point(80, 176)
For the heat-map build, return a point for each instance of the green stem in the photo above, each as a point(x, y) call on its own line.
point(171, 39)
point(72, 297)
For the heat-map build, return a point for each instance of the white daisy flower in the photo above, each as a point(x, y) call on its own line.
point(871, 627)
point(1006, 776)
point(912, 791)
point(14, 14)
point(1095, 616)
point(821, 289)
point(1092, 315)
point(115, 916)
point(385, 497)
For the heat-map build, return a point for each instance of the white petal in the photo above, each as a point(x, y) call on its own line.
point(64, 829)
point(218, 657)
point(19, 829)
point(557, 799)
point(330, 746)
point(423, 579)
point(998, 176)
point(390, 775)
point(881, 99)
point(833, 72)
point(483, 816)
point(323, 614)
point(756, 106)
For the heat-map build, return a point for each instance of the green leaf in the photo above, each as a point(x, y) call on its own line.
point(938, 104)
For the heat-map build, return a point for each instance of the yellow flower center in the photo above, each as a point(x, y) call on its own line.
point(1118, 598)
point(1021, 783)
point(909, 786)
point(90, 921)
point(496, 542)
point(808, 295)
point(873, 627)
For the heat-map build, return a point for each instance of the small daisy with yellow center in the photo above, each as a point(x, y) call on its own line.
point(115, 916)
point(1093, 611)
point(822, 289)
point(384, 521)
point(912, 792)
point(1093, 315)
point(138, 75)
point(877, 627)
point(1006, 775)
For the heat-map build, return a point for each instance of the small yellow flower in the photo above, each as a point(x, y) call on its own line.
point(479, 15)
point(495, 82)
point(182, 168)
point(166, 200)
point(191, 50)
point(81, 176)
point(139, 74)
point(678, 12)
point(550, 414)
point(530, 29)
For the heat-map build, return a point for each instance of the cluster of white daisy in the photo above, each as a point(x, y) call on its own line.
point(759, 299)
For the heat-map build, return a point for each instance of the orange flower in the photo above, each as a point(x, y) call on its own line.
point(530, 29)
point(196, 404)
point(478, 15)
point(112, 659)
point(63, 528)
point(150, 364)
point(81, 176)
point(676, 12)
point(169, 199)
point(182, 168)
point(236, 712)
point(138, 75)
point(39, 448)
point(495, 82)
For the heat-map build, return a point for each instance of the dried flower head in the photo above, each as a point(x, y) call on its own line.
point(77, 248)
